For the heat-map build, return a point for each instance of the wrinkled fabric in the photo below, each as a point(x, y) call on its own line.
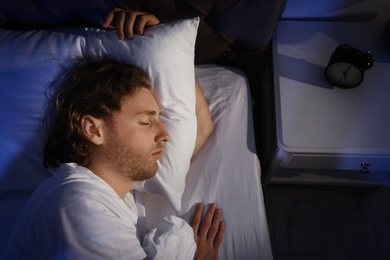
point(172, 234)
point(76, 215)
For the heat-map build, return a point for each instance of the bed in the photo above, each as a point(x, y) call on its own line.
point(225, 171)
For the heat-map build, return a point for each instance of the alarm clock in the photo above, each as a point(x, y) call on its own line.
point(347, 65)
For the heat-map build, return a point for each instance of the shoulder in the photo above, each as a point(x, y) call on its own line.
point(75, 188)
point(70, 210)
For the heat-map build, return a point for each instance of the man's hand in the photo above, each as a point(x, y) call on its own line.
point(126, 22)
point(208, 233)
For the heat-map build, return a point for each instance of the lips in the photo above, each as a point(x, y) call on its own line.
point(158, 153)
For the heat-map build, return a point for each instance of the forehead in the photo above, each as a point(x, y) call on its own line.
point(141, 101)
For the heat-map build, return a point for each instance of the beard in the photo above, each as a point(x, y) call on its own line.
point(134, 165)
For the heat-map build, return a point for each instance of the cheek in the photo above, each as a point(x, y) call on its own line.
point(138, 138)
point(134, 134)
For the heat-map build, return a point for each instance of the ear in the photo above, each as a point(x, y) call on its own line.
point(92, 128)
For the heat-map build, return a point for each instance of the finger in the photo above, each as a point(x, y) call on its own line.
point(140, 24)
point(106, 22)
point(218, 238)
point(120, 20)
point(195, 220)
point(130, 21)
point(145, 20)
point(214, 226)
point(206, 223)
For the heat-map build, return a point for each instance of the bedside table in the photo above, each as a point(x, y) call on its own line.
point(325, 134)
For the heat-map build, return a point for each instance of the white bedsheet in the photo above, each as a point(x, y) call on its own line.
point(226, 171)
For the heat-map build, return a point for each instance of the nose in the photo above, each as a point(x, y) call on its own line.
point(163, 135)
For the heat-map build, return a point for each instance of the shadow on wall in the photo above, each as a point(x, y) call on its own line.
point(11, 203)
point(331, 35)
point(346, 10)
point(22, 101)
point(18, 181)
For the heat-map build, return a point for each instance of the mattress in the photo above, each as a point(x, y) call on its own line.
point(226, 171)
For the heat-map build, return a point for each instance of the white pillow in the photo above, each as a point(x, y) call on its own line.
point(30, 59)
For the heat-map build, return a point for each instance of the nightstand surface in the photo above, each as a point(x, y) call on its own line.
point(322, 127)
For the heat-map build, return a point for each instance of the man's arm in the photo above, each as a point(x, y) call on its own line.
point(204, 120)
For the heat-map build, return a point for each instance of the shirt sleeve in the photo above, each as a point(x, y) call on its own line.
point(173, 238)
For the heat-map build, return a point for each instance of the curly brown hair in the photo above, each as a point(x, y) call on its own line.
point(85, 86)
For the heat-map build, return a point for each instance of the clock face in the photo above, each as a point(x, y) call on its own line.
point(343, 74)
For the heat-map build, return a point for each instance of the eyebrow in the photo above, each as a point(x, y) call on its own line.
point(149, 112)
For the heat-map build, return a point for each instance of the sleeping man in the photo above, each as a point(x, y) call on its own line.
point(104, 132)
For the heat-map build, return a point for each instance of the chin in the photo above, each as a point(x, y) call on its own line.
point(149, 174)
point(154, 174)
point(143, 177)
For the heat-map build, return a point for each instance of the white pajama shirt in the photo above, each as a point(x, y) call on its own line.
point(76, 215)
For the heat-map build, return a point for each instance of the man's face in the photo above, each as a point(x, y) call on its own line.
point(136, 137)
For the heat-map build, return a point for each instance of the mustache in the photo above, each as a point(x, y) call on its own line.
point(161, 145)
